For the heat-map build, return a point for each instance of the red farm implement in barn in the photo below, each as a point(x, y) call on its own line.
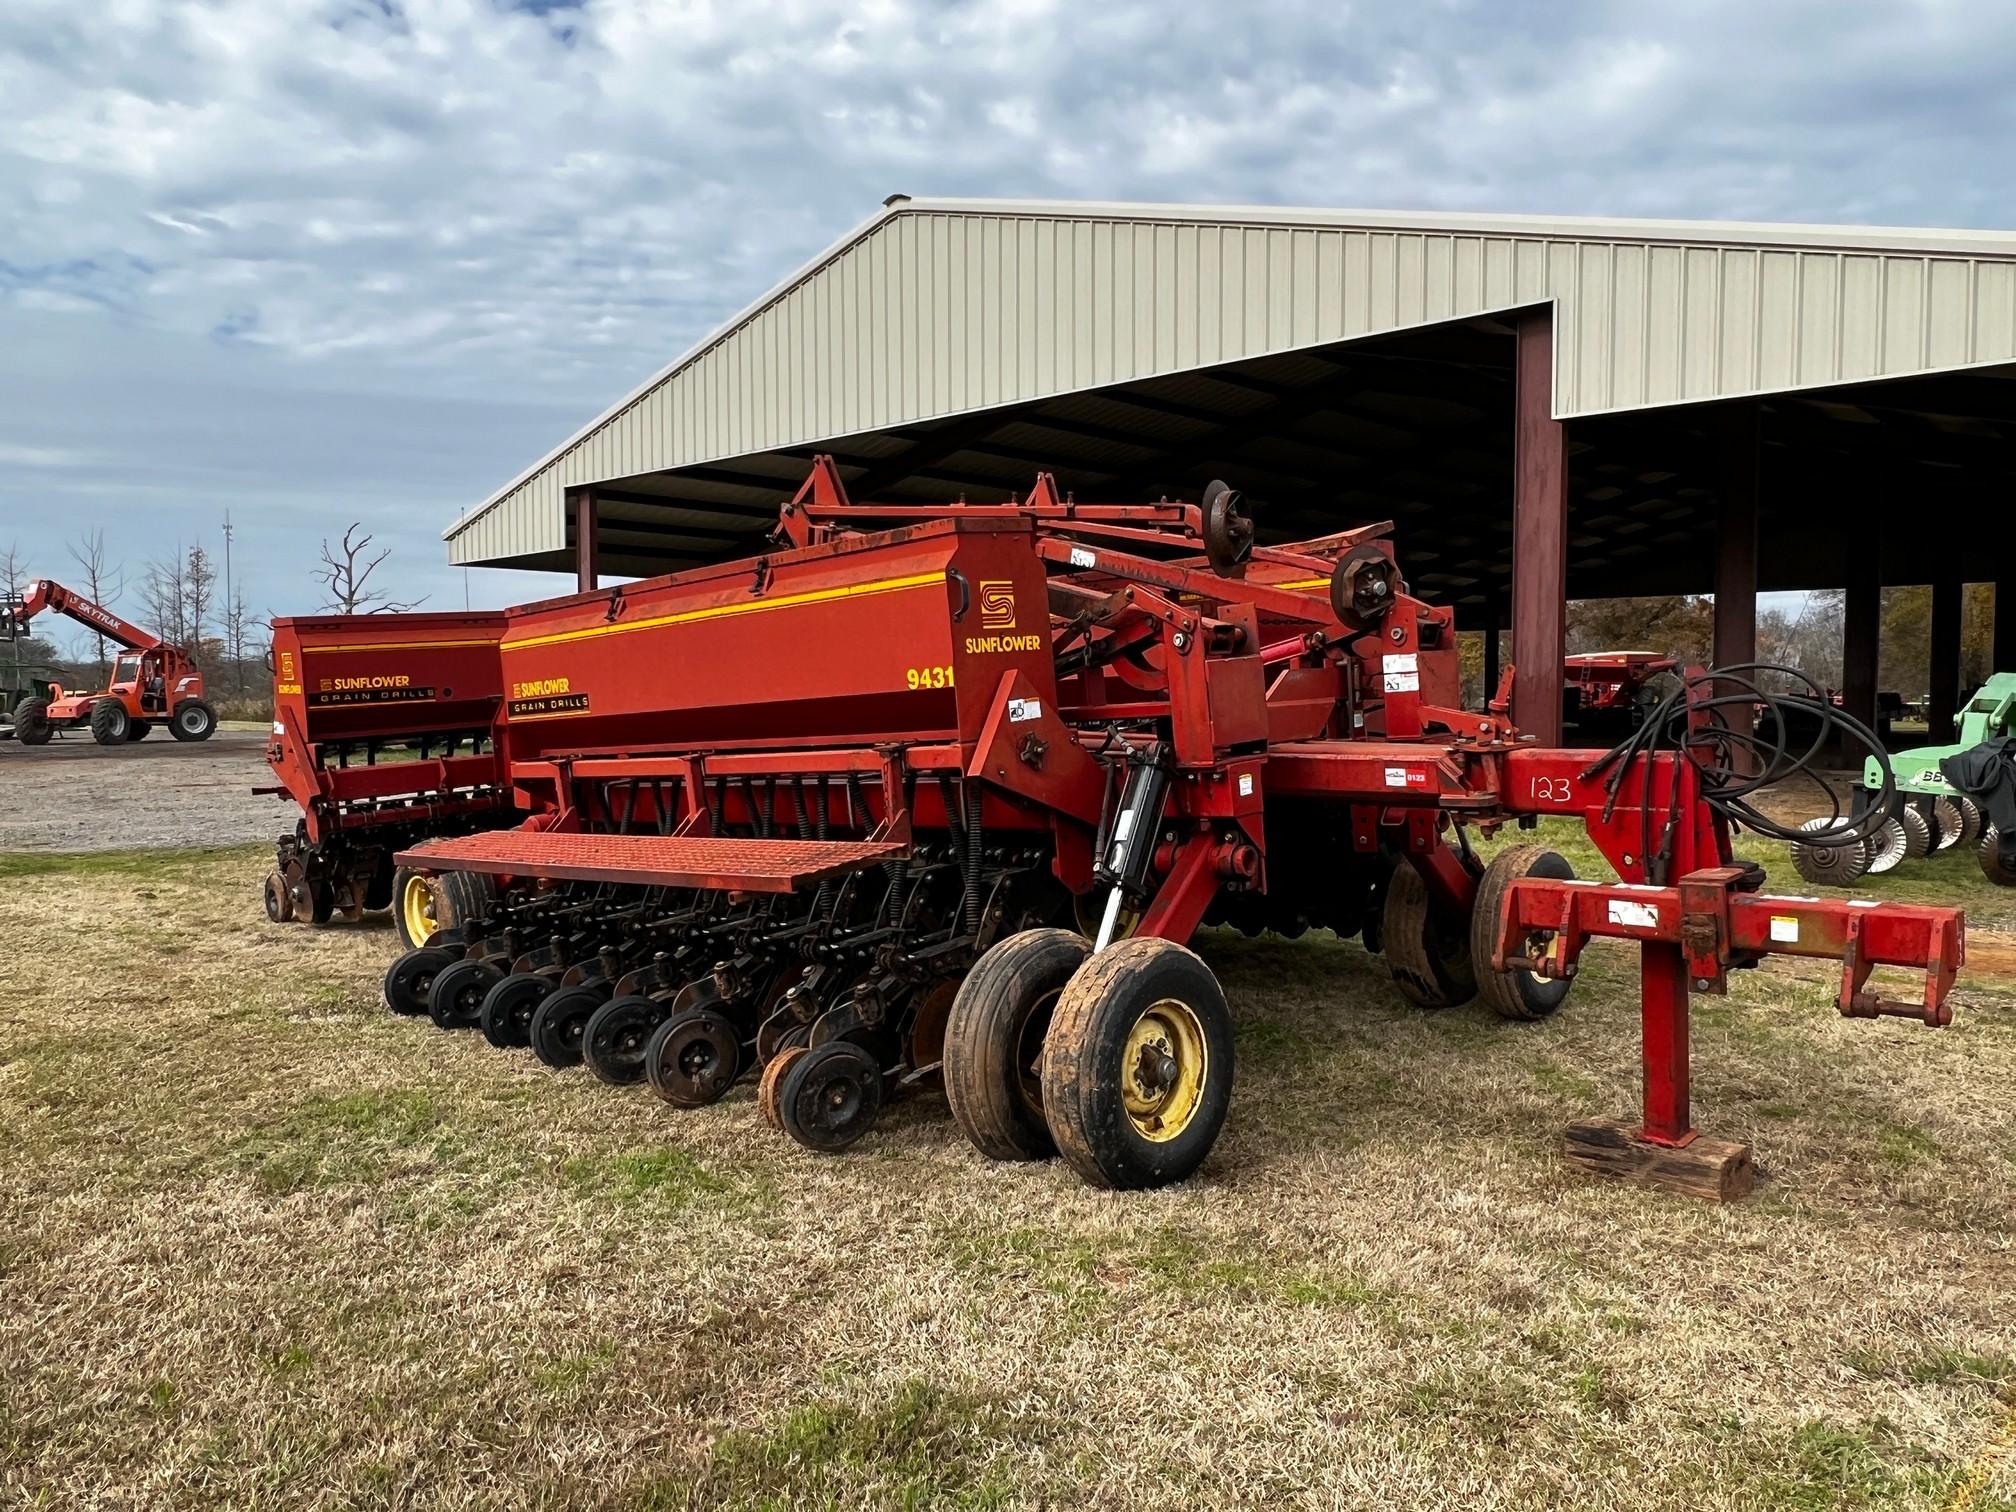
point(941, 793)
point(152, 682)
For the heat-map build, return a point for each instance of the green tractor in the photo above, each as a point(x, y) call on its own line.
point(18, 690)
point(1929, 814)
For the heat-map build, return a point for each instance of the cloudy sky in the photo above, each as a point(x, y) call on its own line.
point(315, 261)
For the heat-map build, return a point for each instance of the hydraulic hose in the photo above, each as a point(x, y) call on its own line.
point(1735, 760)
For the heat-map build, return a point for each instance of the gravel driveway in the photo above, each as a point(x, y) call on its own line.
point(74, 794)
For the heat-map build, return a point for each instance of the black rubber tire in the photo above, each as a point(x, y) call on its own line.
point(1427, 952)
point(470, 896)
point(508, 1007)
point(31, 722)
point(109, 721)
point(193, 720)
point(1084, 1080)
point(1990, 857)
point(694, 1057)
point(409, 979)
point(994, 1041)
point(455, 1001)
point(136, 729)
point(561, 1021)
point(617, 1036)
point(1512, 994)
point(829, 1096)
point(279, 900)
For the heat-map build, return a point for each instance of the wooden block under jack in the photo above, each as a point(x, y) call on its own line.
point(1717, 1169)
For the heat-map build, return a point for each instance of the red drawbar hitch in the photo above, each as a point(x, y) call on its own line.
point(1690, 937)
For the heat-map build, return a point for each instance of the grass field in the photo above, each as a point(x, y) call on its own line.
point(262, 1244)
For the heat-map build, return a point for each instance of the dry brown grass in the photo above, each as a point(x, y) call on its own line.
point(263, 1244)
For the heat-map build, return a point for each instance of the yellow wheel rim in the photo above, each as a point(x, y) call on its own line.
point(417, 909)
point(1163, 1070)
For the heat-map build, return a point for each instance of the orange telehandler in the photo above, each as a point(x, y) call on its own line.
point(151, 680)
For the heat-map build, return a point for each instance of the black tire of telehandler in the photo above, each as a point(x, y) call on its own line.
point(137, 729)
point(509, 1006)
point(455, 1001)
point(1085, 1080)
point(409, 979)
point(193, 719)
point(31, 722)
point(1001, 1014)
point(1513, 994)
point(109, 722)
point(1427, 952)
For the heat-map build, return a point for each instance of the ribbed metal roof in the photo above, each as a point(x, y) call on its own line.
point(936, 308)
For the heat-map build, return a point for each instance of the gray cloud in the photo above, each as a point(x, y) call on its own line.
point(316, 260)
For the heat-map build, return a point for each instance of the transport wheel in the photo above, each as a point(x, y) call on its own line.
point(1889, 846)
point(613, 1043)
point(1917, 832)
point(1137, 1067)
point(1992, 865)
point(109, 722)
point(561, 1021)
point(1834, 864)
point(416, 907)
point(31, 721)
point(455, 1001)
point(279, 901)
point(506, 1015)
point(1972, 822)
point(768, 1085)
point(1427, 952)
point(693, 1058)
point(1947, 826)
point(410, 978)
point(828, 1096)
point(469, 895)
point(136, 729)
point(994, 1041)
point(1228, 528)
point(193, 720)
point(1513, 994)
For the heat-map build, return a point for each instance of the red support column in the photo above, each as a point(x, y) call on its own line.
point(1662, 1010)
point(1539, 535)
point(586, 575)
point(1944, 684)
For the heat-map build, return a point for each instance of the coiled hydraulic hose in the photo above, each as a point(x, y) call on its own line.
point(1736, 758)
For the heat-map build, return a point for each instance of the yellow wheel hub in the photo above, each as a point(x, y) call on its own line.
point(417, 910)
point(1163, 1069)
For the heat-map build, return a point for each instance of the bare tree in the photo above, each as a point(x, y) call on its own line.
point(199, 583)
point(345, 576)
point(237, 623)
point(104, 581)
point(165, 593)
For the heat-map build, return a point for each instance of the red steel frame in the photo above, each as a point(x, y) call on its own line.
point(898, 643)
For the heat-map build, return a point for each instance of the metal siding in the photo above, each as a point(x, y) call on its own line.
point(933, 313)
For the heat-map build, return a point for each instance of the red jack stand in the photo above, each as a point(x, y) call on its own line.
point(1664, 1150)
